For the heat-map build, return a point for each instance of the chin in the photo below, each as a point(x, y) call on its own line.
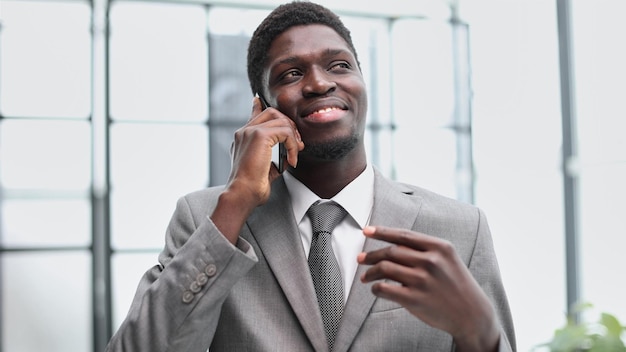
point(332, 150)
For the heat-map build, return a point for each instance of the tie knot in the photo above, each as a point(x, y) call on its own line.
point(325, 216)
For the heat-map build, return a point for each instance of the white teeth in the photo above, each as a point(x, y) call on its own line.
point(321, 111)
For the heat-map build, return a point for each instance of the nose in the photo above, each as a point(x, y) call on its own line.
point(318, 82)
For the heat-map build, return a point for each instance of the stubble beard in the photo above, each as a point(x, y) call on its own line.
point(332, 150)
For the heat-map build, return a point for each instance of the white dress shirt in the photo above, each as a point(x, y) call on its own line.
point(357, 198)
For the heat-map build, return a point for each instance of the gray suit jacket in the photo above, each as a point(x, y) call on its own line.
point(258, 295)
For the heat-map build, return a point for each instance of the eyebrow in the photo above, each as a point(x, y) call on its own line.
point(327, 53)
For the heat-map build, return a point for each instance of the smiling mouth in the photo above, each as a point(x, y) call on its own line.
point(321, 111)
point(324, 111)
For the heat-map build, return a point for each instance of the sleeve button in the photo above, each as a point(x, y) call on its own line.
point(188, 296)
point(194, 287)
point(210, 270)
point(202, 279)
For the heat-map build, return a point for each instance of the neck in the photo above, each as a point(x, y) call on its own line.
point(327, 178)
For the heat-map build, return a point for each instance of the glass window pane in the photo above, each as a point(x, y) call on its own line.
point(426, 157)
point(158, 66)
point(603, 241)
point(379, 144)
point(423, 75)
point(600, 73)
point(126, 271)
point(46, 302)
point(372, 42)
point(45, 222)
point(234, 21)
point(517, 144)
point(600, 53)
point(45, 61)
point(148, 176)
point(53, 155)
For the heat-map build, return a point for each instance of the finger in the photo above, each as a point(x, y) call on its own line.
point(406, 276)
point(398, 254)
point(257, 107)
point(294, 145)
point(275, 119)
point(413, 300)
point(285, 131)
point(274, 173)
point(257, 116)
point(272, 118)
point(402, 295)
point(412, 239)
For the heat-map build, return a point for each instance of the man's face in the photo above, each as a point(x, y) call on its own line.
point(313, 77)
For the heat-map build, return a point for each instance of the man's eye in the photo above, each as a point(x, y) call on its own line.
point(291, 74)
point(340, 66)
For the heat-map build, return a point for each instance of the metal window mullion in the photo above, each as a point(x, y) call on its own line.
point(373, 118)
point(569, 154)
point(462, 124)
point(100, 195)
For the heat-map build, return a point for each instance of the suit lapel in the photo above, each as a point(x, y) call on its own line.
point(276, 232)
point(394, 206)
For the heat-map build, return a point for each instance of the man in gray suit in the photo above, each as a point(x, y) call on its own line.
point(418, 270)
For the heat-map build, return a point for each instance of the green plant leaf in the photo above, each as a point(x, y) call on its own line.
point(603, 335)
point(612, 324)
point(608, 344)
point(569, 338)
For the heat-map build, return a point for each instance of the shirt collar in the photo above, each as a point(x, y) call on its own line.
point(356, 198)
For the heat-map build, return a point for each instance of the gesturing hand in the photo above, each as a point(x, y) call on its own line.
point(433, 284)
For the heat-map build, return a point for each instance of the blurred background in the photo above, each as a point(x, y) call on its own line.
point(111, 110)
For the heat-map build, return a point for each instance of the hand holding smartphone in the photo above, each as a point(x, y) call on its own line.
point(279, 152)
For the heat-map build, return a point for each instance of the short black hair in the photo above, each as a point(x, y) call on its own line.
point(282, 18)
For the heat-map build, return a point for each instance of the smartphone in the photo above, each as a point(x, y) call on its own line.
point(279, 152)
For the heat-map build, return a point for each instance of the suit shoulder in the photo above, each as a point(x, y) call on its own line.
point(434, 198)
point(205, 193)
point(201, 200)
point(441, 211)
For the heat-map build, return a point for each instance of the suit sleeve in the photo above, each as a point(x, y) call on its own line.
point(484, 266)
point(178, 302)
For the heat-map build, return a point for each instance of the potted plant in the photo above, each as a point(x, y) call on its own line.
point(603, 334)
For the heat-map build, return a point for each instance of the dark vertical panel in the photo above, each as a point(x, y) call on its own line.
point(101, 286)
point(230, 99)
